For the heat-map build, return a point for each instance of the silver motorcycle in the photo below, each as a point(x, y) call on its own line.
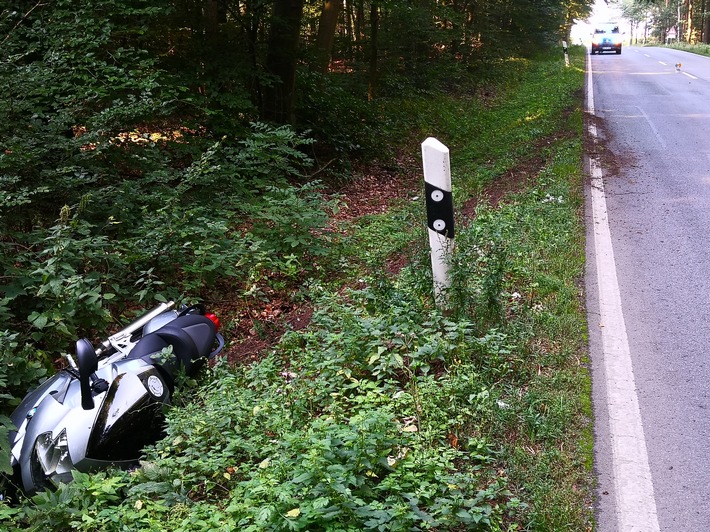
point(109, 403)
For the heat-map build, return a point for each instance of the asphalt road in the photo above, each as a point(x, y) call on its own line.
point(654, 124)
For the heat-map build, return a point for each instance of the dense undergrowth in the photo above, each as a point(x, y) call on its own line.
point(385, 413)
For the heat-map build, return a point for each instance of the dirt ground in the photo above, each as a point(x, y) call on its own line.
point(375, 189)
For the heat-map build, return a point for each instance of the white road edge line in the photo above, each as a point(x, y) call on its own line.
point(689, 75)
point(653, 128)
point(633, 484)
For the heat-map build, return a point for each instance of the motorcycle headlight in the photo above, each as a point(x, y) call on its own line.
point(53, 456)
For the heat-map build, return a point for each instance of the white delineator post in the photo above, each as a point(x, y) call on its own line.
point(565, 49)
point(440, 213)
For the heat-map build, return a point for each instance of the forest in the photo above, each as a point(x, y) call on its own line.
point(194, 151)
point(654, 19)
point(139, 137)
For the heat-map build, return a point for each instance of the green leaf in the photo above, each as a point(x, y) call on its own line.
point(303, 477)
point(38, 320)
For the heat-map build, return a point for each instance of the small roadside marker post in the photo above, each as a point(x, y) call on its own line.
point(565, 49)
point(440, 214)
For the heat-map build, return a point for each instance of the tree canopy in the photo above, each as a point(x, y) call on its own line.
point(689, 18)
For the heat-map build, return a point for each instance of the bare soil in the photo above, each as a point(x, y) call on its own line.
point(375, 189)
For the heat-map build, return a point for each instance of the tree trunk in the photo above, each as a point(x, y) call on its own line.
point(350, 28)
point(211, 18)
point(360, 29)
point(281, 60)
point(422, 38)
point(360, 22)
point(372, 75)
point(326, 33)
point(209, 35)
point(251, 29)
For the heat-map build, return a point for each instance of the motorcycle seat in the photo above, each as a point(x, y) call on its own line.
point(191, 337)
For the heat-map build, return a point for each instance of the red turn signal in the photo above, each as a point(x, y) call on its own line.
point(214, 319)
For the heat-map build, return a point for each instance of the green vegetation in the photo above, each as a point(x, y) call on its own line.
point(653, 20)
point(384, 413)
point(193, 151)
point(700, 49)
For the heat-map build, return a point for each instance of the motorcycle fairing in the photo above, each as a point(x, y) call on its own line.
point(56, 434)
point(124, 420)
point(130, 416)
point(56, 388)
point(52, 417)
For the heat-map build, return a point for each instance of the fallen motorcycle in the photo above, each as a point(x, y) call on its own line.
point(108, 404)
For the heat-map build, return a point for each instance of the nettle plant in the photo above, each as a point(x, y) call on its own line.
point(349, 424)
point(61, 281)
point(375, 417)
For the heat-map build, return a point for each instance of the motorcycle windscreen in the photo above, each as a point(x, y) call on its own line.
point(131, 417)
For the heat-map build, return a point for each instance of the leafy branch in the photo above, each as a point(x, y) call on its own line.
point(22, 19)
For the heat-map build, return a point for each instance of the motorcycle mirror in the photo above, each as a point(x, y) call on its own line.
point(88, 364)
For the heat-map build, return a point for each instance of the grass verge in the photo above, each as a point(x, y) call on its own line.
point(385, 413)
point(697, 48)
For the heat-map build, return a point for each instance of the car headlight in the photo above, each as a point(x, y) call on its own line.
point(52, 454)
